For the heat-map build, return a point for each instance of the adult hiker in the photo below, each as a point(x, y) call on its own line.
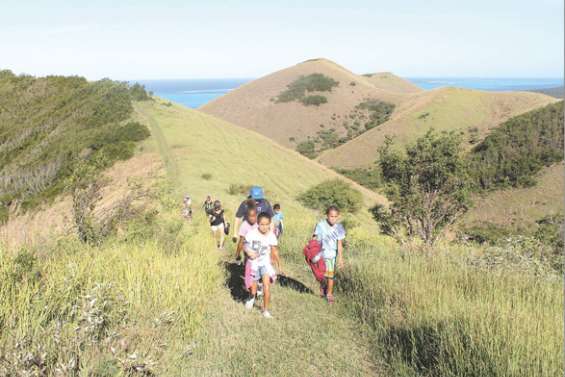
point(217, 223)
point(330, 234)
point(208, 205)
point(256, 197)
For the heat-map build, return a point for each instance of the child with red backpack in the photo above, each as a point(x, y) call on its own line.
point(330, 235)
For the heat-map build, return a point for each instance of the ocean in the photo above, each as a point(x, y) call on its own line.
point(194, 93)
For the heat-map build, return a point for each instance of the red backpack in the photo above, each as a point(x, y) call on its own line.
point(314, 259)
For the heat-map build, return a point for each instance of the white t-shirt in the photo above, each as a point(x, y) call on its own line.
point(261, 244)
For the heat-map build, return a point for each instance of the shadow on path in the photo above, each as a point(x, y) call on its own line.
point(235, 281)
point(236, 285)
point(288, 282)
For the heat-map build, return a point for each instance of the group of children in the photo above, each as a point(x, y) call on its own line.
point(257, 240)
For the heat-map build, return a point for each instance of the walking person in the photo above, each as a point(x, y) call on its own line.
point(217, 223)
point(187, 207)
point(257, 199)
point(208, 205)
point(330, 234)
point(278, 218)
point(262, 258)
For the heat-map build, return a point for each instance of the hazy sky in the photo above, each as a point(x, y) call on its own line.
point(205, 39)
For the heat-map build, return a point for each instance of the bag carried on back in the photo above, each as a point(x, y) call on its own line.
point(314, 259)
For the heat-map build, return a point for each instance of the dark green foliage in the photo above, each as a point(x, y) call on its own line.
point(514, 152)
point(314, 100)
point(138, 93)
point(206, 176)
point(307, 148)
point(550, 232)
point(379, 112)
point(315, 82)
point(368, 177)
point(352, 83)
point(428, 185)
point(48, 125)
point(333, 192)
point(486, 233)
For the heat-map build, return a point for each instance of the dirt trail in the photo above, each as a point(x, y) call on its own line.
point(306, 337)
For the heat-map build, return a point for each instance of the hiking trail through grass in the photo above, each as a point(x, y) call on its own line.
point(306, 337)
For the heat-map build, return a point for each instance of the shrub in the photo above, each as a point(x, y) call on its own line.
point(367, 177)
point(315, 82)
point(379, 112)
point(314, 100)
point(332, 192)
point(206, 176)
point(138, 92)
point(307, 148)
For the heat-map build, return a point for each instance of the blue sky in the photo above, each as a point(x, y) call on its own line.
point(205, 39)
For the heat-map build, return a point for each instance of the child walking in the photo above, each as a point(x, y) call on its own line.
point(217, 223)
point(330, 234)
point(278, 220)
point(247, 225)
point(262, 253)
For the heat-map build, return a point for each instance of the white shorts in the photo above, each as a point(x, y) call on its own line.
point(215, 228)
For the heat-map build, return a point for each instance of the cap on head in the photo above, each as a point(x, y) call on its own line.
point(256, 192)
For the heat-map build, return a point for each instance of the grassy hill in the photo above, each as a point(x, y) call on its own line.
point(392, 83)
point(318, 107)
point(157, 298)
point(257, 105)
point(472, 112)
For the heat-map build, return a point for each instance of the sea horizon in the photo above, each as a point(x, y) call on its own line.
point(195, 93)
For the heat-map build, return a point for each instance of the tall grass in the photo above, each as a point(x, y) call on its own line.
point(127, 307)
point(444, 315)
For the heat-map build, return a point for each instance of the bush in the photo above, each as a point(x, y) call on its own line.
point(379, 112)
point(316, 82)
point(367, 177)
point(307, 148)
point(206, 176)
point(314, 100)
point(333, 192)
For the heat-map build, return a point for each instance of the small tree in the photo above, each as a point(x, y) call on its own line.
point(428, 186)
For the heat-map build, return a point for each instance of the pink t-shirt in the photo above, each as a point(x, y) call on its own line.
point(245, 228)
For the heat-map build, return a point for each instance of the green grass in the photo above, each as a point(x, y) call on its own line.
point(445, 316)
point(160, 297)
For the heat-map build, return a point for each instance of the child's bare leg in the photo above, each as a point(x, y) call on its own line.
point(222, 236)
point(330, 285)
point(266, 291)
point(253, 289)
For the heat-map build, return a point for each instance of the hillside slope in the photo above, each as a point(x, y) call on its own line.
point(472, 112)
point(392, 83)
point(519, 208)
point(193, 144)
point(254, 106)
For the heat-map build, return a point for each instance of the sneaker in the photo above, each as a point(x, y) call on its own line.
point(331, 299)
point(249, 303)
point(267, 314)
point(259, 289)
